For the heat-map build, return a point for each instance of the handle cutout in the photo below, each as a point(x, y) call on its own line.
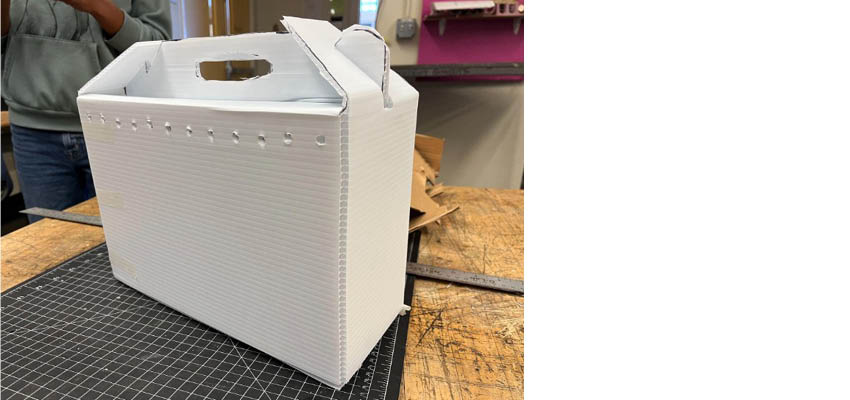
point(233, 70)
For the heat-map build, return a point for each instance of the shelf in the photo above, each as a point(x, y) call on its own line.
point(431, 18)
point(441, 19)
point(438, 70)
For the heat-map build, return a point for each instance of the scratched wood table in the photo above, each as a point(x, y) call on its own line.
point(463, 343)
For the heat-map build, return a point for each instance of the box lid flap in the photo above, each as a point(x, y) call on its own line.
point(328, 48)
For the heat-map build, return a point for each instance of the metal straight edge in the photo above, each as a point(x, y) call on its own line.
point(64, 216)
point(433, 70)
point(467, 278)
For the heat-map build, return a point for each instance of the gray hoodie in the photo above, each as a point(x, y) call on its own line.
point(52, 50)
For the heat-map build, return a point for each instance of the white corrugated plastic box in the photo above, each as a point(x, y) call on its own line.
point(273, 209)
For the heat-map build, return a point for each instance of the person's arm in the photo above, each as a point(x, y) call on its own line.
point(5, 37)
point(146, 20)
point(107, 14)
point(5, 16)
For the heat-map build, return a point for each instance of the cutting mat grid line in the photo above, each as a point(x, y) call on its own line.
point(76, 332)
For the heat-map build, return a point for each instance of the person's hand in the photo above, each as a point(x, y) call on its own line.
point(107, 14)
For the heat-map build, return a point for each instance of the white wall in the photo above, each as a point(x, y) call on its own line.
point(482, 121)
point(404, 51)
point(268, 12)
point(483, 126)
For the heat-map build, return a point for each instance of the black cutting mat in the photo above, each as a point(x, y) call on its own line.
point(76, 332)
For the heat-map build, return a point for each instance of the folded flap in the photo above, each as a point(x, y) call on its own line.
point(366, 48)
point(319, 39)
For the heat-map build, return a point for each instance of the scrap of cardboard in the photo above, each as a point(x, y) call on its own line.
point(431, 149)
point(436, 190)
point(427, 154)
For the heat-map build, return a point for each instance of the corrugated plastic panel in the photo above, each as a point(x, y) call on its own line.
point(280, 223)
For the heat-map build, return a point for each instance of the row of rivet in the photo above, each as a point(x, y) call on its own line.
point(261, 139)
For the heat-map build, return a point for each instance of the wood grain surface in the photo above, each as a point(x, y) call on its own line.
point(466, 343)
point(37, 247)
point(463, 343)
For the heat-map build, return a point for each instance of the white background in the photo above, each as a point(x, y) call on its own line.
point(688, 200)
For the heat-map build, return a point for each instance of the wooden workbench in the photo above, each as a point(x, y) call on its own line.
point(463, 343)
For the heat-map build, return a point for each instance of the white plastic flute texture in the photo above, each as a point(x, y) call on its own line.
point(273, 209)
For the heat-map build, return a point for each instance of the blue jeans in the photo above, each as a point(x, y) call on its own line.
point(53, 168)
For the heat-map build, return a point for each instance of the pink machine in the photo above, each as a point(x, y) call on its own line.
point(467, 32)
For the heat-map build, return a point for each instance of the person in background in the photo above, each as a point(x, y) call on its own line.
point(50, 49)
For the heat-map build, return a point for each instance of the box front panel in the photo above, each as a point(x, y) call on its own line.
point(225, 217)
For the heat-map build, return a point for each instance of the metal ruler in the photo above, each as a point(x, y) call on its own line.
point(466, 278)
point(416, 269)
point(64, 216)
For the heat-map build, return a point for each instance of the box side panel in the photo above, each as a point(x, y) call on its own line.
point(239, 231)
point(115, 77)
point(381, 158)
